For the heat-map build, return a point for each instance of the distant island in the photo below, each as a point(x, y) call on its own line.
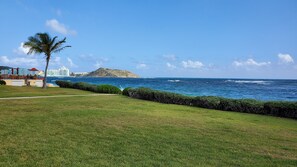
point(107, 72)
point(5, 67)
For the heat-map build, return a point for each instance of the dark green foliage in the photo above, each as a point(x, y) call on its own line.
point(108, 89)
point(159, 96)
point(280, 108)
point(252, 106)
point(64, 84)
point(126, 91)
point(2, 82)
point(81, 85)
point(172, 98)
point(92, 88)
point(210, 102)
point(89, 87)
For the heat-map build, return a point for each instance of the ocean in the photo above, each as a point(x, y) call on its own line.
point(260, 89)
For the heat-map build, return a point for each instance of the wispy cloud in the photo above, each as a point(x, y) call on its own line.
point(285, 58)
point(98, 64)
point(141, 66)
point(70, 63)
point(99, 61)
point(56, 26)
point(250, 63)
point(192, 64)
point(170, 66)
point(169, 57)
point(56, 61)
point(21, 50)
point(19, 61)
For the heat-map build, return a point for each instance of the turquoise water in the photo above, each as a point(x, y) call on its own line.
point(259, 89)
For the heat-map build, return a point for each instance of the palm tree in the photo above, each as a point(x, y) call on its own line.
point(43, 43)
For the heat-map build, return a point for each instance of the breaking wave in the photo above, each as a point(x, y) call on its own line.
point(176, 80)
point(260, 82)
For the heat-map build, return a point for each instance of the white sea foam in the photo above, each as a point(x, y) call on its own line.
point(261, 82)
point(176, 80)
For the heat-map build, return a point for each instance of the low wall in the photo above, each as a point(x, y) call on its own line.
point(21, 82)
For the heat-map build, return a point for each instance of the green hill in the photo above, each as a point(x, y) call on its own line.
point(106, 72)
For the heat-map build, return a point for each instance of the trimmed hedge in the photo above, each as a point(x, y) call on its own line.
point(273, 108)
point(2, 82)
point(126, 91)
point(110, 89)
point(64, 84)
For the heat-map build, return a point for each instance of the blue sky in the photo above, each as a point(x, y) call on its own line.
point(158, 38)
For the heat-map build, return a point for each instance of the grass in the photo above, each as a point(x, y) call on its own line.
point(120, 131)
point(15, 91)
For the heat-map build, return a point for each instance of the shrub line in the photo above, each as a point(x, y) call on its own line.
point(284, 109)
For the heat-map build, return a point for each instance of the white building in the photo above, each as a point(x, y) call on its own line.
point(61, 72)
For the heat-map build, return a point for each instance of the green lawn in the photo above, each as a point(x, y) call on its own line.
point(120, 131)
point(15, 91)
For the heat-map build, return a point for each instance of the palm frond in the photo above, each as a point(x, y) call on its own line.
point(43, 43)
point(58, 50)
point(58, 45)
point(53, 41)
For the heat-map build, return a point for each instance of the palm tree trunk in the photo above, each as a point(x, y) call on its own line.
point(45, 74)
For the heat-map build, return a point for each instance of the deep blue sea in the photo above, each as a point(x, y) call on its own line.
point(260, 89)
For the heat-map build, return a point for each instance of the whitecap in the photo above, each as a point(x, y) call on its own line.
point(261, 82)
point(176, 80)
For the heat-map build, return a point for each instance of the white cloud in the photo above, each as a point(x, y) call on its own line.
point(98, 64)
point(171, 66)
point(70, 62)
point(19, 61)
point(59, 27)
point(21, 50)
point(169, 57)
point(56, 61)
point(141, 66)
point(250, 63)
point(192, 64)
point(285, 58)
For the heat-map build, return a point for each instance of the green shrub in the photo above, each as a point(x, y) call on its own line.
point(81, 85)
point(2, 82)
point(210, 102)
point(230, 105)
point(172, 98)
point(252, 106)
point(281, 109)
point(126, 91)
point(64, 84)
point(108, 89)
point(144, 93)
point(89, 87)
point(158, 96)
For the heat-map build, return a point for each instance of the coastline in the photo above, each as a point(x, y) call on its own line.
point(264, 90)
